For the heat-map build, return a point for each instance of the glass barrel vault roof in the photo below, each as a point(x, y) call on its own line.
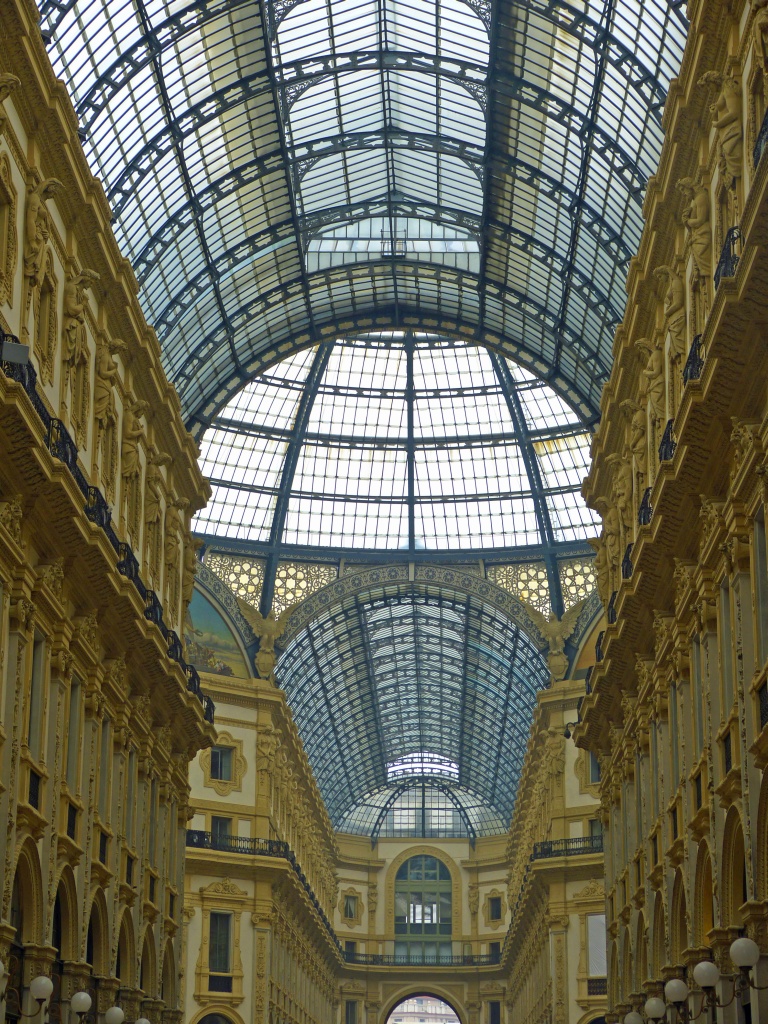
point(414, 685)
point(282, 171)
point(396, 441)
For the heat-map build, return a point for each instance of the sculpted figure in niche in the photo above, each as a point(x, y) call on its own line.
point(727, 115)
point(106, 375)
point(623, 489)
point(638, 444)
point(75, 342)
point(36, 233)
point(697, 222)
point(133, 431)
point(556, 631)
point(191, 547)
point(674, 309)
point(153, 504)
point(173, 525)
point(602, 568)
point(760, 33)
point(656, 379)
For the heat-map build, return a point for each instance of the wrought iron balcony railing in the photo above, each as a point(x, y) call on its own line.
point(567, 847)
point(694, 364)
point(668, 444)
point(627, 566)
point(729, 259)
point(393, 960)
point(236, 844)
point(61, 445)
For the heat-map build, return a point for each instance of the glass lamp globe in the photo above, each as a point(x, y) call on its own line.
point(80, 1002)
point(706, 974)
point(41, 988)
point(142, 1020)
point(745, 952)
point(633, 1017)
point(676, 991)
point(655, 1008)
point(114, 1015)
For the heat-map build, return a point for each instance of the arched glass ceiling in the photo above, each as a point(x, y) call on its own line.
point(414, 683)
point(282, 171)
point(396, 441)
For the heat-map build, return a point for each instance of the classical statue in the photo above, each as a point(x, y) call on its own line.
point(760, 33)
point(727, 115)
point(173, 525)
point(674, 309)
point(133, 431)
point(556, 631)
point(106, 374)
point(656, 378)
point(623, 487)
point(638, 431)
point(602, 568)
point(153, 487)
point(267, 630)
point(36, 233)
point(696, 220)
point(191, 547)
point(75, 341)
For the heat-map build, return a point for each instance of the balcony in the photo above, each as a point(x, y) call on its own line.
point(200, 840)
point(391, 960)
point(567, 847)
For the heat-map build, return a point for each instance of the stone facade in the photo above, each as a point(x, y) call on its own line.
point(99, 713)
point(678, 714)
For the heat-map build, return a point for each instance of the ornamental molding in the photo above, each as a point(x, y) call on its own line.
point(356, 919)
point(223, 787)
point(389, 578)
point(580, 769)
point(593, 890)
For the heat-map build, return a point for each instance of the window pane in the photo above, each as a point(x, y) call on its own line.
point(218, 957)
point(221, 763)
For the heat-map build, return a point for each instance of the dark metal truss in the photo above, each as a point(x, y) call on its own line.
point(297, 435)
point(423, 782)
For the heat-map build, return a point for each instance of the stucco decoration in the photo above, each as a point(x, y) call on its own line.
point(223, 787)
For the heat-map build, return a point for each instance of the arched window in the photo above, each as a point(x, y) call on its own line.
point(215, 1018)
point(423, 910)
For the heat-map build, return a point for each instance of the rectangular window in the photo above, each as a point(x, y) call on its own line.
point(761, 558)
point(71, 821)
point(221, 763)
point(219, 950)
point(726, 648)
point(594, 769)
point(350, 1011)
point(595, 827)
point(350, 907)
point(494, 908)
point(350, 947)
point(130, 790)
point(698, 696)
point(494, 1012)
point(73, 735)
point(596, 943)
point(35, 724)
point(221, 829)
point(104, 767)
point(674, 735)
point(494, 949)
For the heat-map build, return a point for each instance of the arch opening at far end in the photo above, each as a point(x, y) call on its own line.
point(423, 1009)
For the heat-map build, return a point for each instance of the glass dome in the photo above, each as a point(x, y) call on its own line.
point(396, 441)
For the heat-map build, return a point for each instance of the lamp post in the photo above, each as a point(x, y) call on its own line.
point(744, 953)
point(41, 990)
